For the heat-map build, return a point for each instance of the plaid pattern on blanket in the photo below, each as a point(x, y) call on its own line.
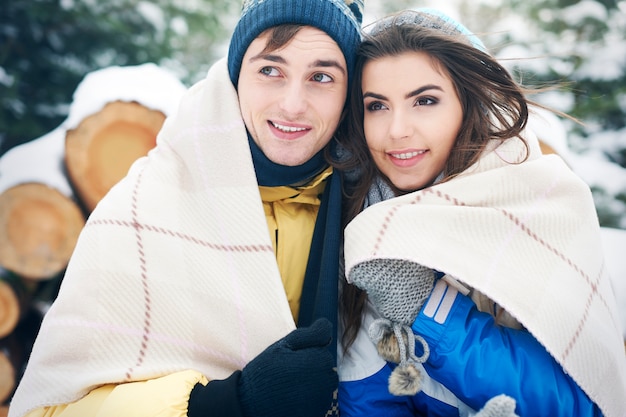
point(527, 236)
point(174, 269)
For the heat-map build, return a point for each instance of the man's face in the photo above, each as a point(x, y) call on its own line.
point(291, 98)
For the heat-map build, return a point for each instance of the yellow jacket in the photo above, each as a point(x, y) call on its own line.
point(288, 210)
point(167, 396)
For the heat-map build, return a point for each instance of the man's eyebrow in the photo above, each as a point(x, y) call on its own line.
point(320, 63)
point(269, 57)
point(329, 63)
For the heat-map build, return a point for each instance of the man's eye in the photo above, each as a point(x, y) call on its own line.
point(322, 78)
point(269, 71)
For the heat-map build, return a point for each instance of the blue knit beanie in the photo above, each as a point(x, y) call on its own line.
point(340, 19)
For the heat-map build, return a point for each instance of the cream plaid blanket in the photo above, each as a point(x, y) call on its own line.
point(174, 269)
point(525, 235)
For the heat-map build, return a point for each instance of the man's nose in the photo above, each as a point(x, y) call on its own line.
point(294, 100)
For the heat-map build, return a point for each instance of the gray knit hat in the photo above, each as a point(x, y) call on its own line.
point(429, 18)
point(340, 19)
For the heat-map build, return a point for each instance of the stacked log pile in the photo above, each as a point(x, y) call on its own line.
point(50, 185)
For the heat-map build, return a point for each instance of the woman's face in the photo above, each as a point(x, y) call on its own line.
point(412, 116)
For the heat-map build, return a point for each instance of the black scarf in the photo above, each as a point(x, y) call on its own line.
point(319, 292)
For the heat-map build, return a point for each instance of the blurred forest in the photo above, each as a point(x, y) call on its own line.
point(48, 46)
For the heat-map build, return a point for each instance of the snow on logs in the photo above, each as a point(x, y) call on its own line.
point(50, 185)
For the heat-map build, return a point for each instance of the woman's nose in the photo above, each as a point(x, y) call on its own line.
point(400, 125)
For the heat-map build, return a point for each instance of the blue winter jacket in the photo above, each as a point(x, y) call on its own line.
point(472, 359)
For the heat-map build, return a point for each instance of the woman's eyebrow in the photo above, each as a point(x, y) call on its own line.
point(413, 93)
point(420, 90)
point(374, 95)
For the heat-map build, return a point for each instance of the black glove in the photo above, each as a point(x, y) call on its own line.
point(295, 376)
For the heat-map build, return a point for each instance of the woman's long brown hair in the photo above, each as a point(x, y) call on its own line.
point(494, 108)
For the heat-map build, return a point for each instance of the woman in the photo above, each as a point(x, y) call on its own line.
point(489, 256)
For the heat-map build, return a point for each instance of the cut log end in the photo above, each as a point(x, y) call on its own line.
point(9, 309)
point(101, 149)
point(41, 226)
point(7, 378)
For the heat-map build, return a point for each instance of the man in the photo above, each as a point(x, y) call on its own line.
point(177, 301)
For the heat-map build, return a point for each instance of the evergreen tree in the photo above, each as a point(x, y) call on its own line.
point(583, 45)
point(48, 46)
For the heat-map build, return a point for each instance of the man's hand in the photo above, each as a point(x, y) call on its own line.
point(295, 376)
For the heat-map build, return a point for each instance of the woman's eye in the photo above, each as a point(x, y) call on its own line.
point(269, 71)
point(322, 78)
point(425, 101)
point(375, 106)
